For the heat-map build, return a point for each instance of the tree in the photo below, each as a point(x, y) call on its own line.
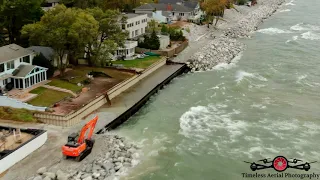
point(110, 36)
point(14, 14)
point(66, 30)
point(214, 9)
point(154, 41)
point(83, 4)
point(164, 29)
point(153, 26)
point(42, 61)
point(150, 42)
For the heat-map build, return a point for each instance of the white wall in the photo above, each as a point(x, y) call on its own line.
point(22, 152)
point(138, 27)
point(178, 14)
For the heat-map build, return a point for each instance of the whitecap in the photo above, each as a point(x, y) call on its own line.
point(259, 106)
point(310, 36)
point(285, 10)
point(304, 27)
point(290, 3)
point(242, 74)
point(272, 31)
point(233, 63)
point(201, 122)
point(301, 77)
point(294, 38)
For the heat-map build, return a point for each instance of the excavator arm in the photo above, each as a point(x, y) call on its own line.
point(90, 125)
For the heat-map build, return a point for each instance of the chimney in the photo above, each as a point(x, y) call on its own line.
point(169, 7)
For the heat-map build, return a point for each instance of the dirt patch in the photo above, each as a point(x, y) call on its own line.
point(96, 88)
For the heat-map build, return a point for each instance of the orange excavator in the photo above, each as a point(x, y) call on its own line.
point(79, 146)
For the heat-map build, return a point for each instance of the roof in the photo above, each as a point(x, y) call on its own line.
point(12, 51)
point(23, 70)
point(131, 15)
point(164, 7)
point(47, 52)
point(190, 3)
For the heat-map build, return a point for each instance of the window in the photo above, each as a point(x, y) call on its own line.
point(10, 65)
point(181, 14)
point(1, 68)
point(5, 82)
point(123, 26)
point(128, 25)
point(132, 34)
point(172, 13)
point(25, 59)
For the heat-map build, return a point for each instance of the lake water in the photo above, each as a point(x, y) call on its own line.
point(266, 103)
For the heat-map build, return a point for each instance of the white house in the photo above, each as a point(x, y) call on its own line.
point(136, 25)
point(179, 9)
point(16, 67)
point(49, 4)
point(162, 16)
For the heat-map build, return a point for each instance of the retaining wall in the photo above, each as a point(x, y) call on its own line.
point(168, 53)
point(23, 151)
point(76, 116)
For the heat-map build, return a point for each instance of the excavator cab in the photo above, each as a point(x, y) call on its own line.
point(80, 145)
point(73, 140)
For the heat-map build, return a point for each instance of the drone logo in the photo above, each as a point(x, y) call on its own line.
point(280, 163)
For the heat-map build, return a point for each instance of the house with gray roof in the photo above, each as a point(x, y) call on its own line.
point(16, 68)
point(175, 9)
point(49, 4)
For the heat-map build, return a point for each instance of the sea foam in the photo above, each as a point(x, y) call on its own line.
point(272, 31)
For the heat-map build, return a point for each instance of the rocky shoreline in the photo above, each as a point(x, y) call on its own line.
point(226, 47)
point(117, 157)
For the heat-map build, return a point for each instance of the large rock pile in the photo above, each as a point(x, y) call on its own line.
point(220, 50)
point(251, 22)
point(224, 48)
point(117, 157)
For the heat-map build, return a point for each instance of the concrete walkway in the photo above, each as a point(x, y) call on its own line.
point(130, 97)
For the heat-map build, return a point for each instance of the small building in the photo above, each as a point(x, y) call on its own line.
point(48, 53)
point(164, 41)
point(49, 4)
point(136, 25)
point(16, 68)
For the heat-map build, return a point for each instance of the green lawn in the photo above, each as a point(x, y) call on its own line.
point(65, 85)
point(9, 113)
point(46, 97)
point(139, 63)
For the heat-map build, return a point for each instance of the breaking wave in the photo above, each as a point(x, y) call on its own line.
point(222, 66)
point(310, 36)
point(304, 27)
point(273, 31)
point(201, 122)
point(285, 10)
point(290, 3)
point(242, 75)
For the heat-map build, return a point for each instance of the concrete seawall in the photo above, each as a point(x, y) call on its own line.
point(141, 95)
